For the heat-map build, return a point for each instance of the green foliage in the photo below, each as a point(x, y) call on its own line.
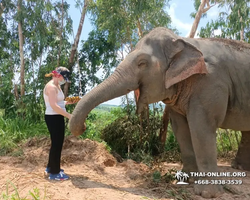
point(120, 20)
point(126, 137)
point(97, 53)
point(197, 4)
point(233, 22)
point(15, 130)
point(97, 120)
point(157, 176)
point(171, 142)
point(227, 141)
point(41, 25)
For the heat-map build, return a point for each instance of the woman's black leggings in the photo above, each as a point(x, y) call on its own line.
point(56, 127)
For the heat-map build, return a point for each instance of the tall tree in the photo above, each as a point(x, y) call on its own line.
point(76, 42)
point(9, 50)
point(21, 43)
point(204, 6)
point(97, 54)
point(1, 8)
point(233, 23)
point(126, 21)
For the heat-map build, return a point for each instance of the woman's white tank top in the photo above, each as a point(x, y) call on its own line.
point(60, 102)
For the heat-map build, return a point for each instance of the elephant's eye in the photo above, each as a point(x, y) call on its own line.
point(142, 63)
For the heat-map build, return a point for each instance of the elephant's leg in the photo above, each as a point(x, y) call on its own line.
point(203, 136)
point(242, 160)
point(181, 130)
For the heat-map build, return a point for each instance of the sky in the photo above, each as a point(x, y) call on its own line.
point(179, 11)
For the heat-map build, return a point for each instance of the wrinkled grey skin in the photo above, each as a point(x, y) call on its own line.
point(205, 82)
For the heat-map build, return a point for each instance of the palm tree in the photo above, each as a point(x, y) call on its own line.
point(185, 176)
point(178, 175)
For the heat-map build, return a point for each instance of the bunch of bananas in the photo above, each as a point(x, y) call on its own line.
point(72, 99)
point(48, 75)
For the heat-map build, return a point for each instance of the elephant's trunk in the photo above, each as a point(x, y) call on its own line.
point(114, 86)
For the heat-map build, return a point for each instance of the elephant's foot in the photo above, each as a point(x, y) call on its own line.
point(190, 167)
point(242, 160)
point(235, 165)
point(240, 164)
point(208, 191)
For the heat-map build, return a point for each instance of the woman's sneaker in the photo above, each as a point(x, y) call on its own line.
point(58, 177)
point(47, 172)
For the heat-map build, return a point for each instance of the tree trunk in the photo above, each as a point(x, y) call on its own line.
point(16, 92)
point(61, 32)
point(33, 74)
point(75, 45)
point(139, 28)
point(242, 27)
point(198, 17)
point(164, 128)
point(1, 9)
point(20, 34)
point(78, 35)
point(242, 33)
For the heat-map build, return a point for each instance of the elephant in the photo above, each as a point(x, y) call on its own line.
point(204, 82)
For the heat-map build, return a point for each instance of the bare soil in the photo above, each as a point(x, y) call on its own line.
point(96, 175)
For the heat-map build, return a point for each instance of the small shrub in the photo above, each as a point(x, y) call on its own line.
point(157, 176)
point(171, 142)
point(132, 138)
point(170, 175)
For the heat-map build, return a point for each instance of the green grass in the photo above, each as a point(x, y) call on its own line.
point(14, 131)
point(227, 140)
point(97, 120)
point(35, 194)
point(2, 112)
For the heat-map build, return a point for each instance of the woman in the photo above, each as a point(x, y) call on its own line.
point(54, 118)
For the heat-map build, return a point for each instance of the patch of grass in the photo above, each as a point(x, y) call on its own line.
point(35, 193)
point(96, 121)
point(157, 176)
point(7, 143)
point(227, 141)
point(2, 112)
point(13, 131)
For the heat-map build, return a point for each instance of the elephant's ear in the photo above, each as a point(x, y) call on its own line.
point(186, 60)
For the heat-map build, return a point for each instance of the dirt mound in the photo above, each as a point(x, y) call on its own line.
point(74, 152)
